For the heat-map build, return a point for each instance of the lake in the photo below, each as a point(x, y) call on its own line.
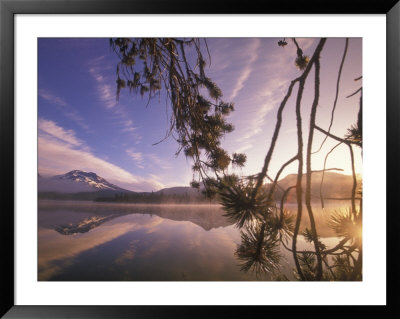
point(88, 241)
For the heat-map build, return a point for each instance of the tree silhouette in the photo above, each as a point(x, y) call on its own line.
point(198, 120)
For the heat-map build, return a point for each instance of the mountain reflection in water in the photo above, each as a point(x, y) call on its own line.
point(87, 241)
point(206, 216)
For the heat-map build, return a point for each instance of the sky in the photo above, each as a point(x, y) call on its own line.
point(81, 125)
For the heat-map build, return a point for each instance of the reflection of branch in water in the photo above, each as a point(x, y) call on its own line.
point(84, 226)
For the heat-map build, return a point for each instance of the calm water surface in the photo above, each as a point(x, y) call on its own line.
point(87, 241)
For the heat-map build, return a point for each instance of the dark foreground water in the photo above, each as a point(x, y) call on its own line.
point(87, 241)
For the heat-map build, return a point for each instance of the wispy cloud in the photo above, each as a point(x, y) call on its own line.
point(125, 124)
point(244, 147)
point(61, 151)
point(128, 126)
point(240, 82)
point(51, 129)
point(48, 96)
point(137, 157)
point(162, 163)
point(105, 90)
point(69, 111)
point(74, 115)
point(266, 92)
point(148, 160)
point(268, 100)
point(249, 59)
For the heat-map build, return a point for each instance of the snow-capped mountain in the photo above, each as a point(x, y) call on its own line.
point(88, 178)
point(77, 181)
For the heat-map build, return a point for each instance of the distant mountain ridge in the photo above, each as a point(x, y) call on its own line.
point(80, 185)
point(178, 190)
point(334, 185)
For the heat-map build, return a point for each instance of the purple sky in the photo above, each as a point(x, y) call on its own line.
point(82, 126)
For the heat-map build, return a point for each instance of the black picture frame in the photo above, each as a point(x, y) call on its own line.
point(9, 8)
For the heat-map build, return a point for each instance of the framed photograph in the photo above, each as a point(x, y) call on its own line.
point(158, 156)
